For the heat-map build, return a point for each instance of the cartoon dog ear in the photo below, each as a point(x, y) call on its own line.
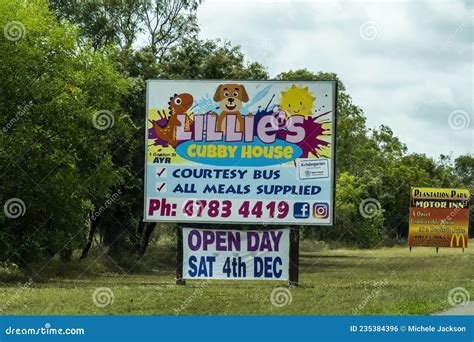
point(217, 97)
point(245, 97)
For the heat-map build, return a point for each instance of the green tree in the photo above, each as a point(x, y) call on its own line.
point(164, 23)
point(56, 98)
point(209, 59)
point(360, 219)
point(464, 169)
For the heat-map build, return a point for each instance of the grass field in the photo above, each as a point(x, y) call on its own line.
point(387, 281)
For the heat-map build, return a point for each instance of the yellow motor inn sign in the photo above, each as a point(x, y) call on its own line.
point(439, 217)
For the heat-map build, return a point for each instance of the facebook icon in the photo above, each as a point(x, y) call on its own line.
point(301, 210)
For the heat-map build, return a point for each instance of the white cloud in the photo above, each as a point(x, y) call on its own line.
point(416, 70)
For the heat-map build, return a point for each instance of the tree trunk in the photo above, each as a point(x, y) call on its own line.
point(90, 240)
point(146, 238)
point(139, 234)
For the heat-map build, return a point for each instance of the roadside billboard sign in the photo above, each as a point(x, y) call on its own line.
point(439, 217)
point(240, 152)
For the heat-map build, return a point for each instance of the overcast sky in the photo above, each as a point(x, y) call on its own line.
point(408, 64)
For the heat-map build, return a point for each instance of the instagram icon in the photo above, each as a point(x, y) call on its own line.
point(320, 210)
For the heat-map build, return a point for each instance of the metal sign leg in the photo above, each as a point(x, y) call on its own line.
point(294, 256)
point(179, 257)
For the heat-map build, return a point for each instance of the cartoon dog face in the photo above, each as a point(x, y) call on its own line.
point(231, 97)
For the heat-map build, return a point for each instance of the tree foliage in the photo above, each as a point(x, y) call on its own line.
point(163, 23)
point(53, 157)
